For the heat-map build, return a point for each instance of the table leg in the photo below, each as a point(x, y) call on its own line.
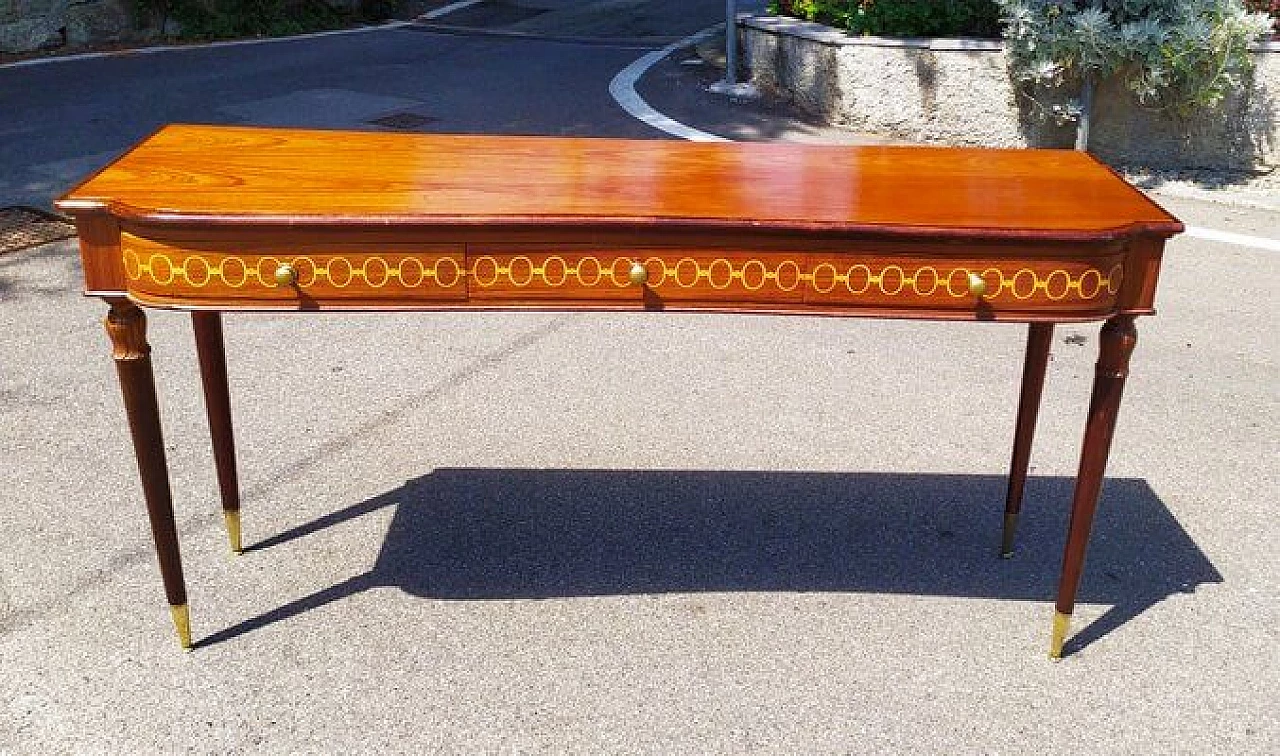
point(1039, 339)
point(1118, 340)
point(127, 327)
point(217, 402)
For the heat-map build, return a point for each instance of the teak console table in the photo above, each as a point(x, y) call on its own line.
point(212, 219)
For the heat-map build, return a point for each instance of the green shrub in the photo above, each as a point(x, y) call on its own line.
point(1270, 7)
point(900, 18)
point(1178, 55)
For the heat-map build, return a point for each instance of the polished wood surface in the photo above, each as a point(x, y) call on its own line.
point(1118, 338)
point(258, 175)
point(127, 327)
point(1027, 283)
point(204, 217)
point(211, 354)
point(1034, 365)
point(214, 219)
point(244, 272)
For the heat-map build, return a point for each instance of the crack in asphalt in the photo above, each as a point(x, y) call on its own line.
point(21, 619)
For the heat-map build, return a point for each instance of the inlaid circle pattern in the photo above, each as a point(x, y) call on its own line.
point(170, 268)
point(193, 270)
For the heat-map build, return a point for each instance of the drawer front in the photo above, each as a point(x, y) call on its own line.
point(1073, 286)
point(583, 275)
point(515, 274)
point(220, 272)
point(727, 276)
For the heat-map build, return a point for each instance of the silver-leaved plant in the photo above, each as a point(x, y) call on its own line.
point(1175, 55)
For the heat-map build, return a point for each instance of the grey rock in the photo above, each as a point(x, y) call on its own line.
point(959, 92)
point(100, 21)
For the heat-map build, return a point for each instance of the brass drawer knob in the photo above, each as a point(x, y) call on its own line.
point(286, 275)
point(977, 285)
point(638, 274)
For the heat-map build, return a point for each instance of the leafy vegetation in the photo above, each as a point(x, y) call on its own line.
point(900, 18)
point(1179, 56)
point(1176, 55)
point(1270, 7)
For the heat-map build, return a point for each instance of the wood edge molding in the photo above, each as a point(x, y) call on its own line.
point(70, 203)
point(808, 310)
point(159, 220)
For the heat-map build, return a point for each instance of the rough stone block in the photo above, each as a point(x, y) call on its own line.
point(960, 92)
point(98, 21)
point(31, 34)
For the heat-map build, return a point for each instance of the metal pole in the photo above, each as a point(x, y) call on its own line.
point(731, 42)
point(1086, 114)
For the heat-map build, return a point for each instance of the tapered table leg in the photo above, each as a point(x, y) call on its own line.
point(217, 402)
point(1039, 339)
point(127, 327)
point(1118, 340)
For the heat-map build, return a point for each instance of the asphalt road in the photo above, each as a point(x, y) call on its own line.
point(630, 533)
point(61, 121)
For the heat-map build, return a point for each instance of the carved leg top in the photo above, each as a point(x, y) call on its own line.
point(1119, 336)
point(127, 326)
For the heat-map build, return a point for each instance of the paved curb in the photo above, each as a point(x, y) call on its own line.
point(200, 45)
point(623, 90)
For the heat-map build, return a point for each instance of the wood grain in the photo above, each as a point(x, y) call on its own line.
point(203, 218)
point(236, 175)
point(127, 327)
point(1118, 338)
point(237, 273)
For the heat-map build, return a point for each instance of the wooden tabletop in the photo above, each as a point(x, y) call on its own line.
point(233, 174)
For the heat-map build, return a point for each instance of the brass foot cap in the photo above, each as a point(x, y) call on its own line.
point(233, 530)
point(1061, 624)
point(182, 623)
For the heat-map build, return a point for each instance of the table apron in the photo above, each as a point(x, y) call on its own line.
point(867, 278)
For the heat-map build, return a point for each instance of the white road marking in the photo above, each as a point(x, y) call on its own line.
point(1227, 237)
point(450, 8)
point(623, 90)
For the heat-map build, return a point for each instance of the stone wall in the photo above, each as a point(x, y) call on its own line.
point(28, 25)
point(959, 92)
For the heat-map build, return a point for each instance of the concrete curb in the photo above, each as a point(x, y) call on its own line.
point(830, 36)
point(201, 45)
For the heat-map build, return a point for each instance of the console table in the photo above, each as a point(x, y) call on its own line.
point(212, 219)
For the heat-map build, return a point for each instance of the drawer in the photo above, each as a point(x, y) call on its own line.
point(939, 283)
point(677, 276)
point(218, 272)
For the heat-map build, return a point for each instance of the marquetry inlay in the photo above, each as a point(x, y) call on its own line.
point(174, 268)
point(337, 271)
point(1017, 283)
